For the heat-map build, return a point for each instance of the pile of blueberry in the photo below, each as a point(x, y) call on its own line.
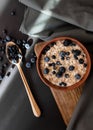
point(13, 54)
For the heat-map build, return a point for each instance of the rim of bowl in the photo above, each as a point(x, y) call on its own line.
point(49, 84)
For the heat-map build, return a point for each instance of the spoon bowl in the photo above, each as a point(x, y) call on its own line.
point(14, 56)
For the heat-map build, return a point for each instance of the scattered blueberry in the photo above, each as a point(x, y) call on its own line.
point(81, 61)
point(66, 75)
point(12, 66)
point(19, 42)
point(71, 68)
point(63, 84)
point(33, 60)
point(8, 38)
point(13, 13)
point(77, 76)
point(27, 46)
point(46, 71)
point(8, 74)
point(28, 65)
point(62, 69)
point(53, 57)
point(67, 42)
point(46, 59)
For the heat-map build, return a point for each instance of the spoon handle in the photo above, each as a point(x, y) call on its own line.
point(33, 103)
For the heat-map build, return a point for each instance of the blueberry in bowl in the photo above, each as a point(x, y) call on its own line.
point(70, 59)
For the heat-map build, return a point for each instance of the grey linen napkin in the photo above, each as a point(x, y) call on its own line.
point(76, 12)
point(49, 19)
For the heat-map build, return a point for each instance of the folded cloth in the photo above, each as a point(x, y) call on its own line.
point(38, 25)
point(76, 12)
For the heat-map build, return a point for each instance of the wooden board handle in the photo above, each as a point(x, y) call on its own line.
point(33, 103)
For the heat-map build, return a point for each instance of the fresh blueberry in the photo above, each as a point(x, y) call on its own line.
point(4, 31)
point(75, 57)
point(27, 46)
point(28, 65)
point(63, 84)
point(53, 72)
point(62, 53)
point(62, 69)
point(13, 13)
point(59, 74)
point(77, 76)
point(8, 38)
point(19, 42)
point(66, 75)
point(46, 59)
point(72, 44)
point(67, 53)
point(85, 64)
point(81, 61)
point(67, 42)
point(33, 60)
point(53, 64)
point(76, 52)
point(50, 64)
point(58, 63)
point(71, 68)
point(8, 74)
point(47, 48)
point(46, 71)
point(53, 57)
point(62, 58)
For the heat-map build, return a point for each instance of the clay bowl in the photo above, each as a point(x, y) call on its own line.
point(38, 50)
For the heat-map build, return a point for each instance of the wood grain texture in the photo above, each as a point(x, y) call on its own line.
point(66, 100)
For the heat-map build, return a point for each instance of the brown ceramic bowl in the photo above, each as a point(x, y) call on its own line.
point(40, 47)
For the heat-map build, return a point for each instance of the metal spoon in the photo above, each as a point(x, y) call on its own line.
point(35, 108)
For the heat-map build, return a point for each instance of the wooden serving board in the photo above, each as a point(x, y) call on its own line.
point(66, 100)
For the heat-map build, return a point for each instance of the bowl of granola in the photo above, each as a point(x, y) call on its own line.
point(63, 63)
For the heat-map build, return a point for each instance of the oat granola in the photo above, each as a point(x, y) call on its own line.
point(63, 63)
